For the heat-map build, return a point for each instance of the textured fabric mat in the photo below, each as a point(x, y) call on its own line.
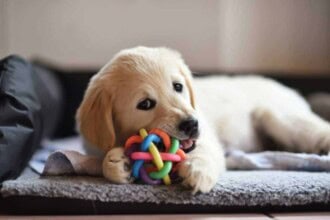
point(235, 188)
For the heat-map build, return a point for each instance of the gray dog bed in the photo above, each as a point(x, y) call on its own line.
point(235, 191)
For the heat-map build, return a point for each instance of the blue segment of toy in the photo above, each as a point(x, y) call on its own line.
point(144, 147)
point(148, 140)
point(136, 168)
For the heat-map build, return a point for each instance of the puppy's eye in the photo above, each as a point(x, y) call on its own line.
point(146, 104)
point(178, 87)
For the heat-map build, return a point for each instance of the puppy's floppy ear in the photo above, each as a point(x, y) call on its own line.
point(94, 116)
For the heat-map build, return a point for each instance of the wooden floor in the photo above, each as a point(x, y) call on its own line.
point(276, 216)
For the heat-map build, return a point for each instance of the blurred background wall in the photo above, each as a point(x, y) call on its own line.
point(284, 36)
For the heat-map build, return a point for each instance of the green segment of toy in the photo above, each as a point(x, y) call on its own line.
point(168, 164)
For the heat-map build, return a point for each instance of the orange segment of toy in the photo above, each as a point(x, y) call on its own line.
point(182, 154)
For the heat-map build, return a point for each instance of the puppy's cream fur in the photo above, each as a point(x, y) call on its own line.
point(233, 112)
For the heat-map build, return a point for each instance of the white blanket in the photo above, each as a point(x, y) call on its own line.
point(66, 156)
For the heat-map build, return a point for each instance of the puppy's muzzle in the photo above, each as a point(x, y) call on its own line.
point(189, 127)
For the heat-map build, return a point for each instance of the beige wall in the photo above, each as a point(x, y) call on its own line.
point(275, 35)
point(84, 32)
point(3, 30)
point(230, 35)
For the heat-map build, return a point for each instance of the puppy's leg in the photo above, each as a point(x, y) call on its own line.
point(203, 166)
point(116, 166)
point(301, 131)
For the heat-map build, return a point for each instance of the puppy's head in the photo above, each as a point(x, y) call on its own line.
point(140, 88)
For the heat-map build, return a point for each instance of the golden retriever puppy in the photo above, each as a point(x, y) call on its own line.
point(152, 88)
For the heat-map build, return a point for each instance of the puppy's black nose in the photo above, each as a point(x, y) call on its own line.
point(189, 127)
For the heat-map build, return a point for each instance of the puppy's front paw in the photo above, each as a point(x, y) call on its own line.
point(198, 174)
point(116, 166)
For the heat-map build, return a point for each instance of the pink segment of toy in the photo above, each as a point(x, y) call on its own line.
point(148, 156)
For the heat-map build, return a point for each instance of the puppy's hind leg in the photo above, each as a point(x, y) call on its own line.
point(301, 131)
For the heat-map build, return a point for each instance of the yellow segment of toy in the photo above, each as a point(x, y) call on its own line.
point(156, 156)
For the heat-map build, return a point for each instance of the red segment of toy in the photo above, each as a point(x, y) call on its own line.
point(135, 139)
point(150, 169)
point(175, 168)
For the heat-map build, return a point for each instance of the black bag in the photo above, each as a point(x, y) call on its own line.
point(30, 107)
